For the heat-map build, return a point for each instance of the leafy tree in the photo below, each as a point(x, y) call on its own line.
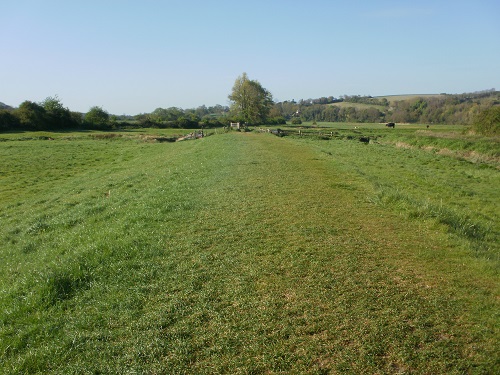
point(201, 111)
point(250, 101)
point(58, 116)
point(487, 122)
point(287, 109)
point(218, 109)
point(8, 121)
point(276, 111)
point(97, 118)
point(331, 113)
point(168, 114)
point(190, 122)
point(211, 121)
point(369, 115)
point(77, 118)
point(32, 116)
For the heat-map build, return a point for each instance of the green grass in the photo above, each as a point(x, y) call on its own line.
point(358, 106)
point(408, 170)
point(394, 98)
point(446, 140)
point(243, 253)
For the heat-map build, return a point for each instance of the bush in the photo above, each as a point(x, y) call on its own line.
point(276, 121)
point(32, 116)
point(211, 122)
point(296, 121)
point(58, 117)
point(8, 121)
point(97, 118)
point(487, 122)
point(187, 123)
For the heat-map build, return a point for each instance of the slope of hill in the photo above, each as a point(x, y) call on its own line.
point(458, 109)
point(395, 98)
point(358, 106)
point(5, 106)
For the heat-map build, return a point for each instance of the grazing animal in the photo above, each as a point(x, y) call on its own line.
point(278, 132)
point(365, 139)
point(390, 125)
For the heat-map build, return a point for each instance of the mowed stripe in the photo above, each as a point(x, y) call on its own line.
point(297, 269)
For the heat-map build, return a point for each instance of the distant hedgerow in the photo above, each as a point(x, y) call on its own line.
point(487, 122)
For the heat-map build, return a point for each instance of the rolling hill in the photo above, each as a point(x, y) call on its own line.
point(5, 106)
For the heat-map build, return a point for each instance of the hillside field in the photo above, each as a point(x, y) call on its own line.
point(390, 98)
point(394, 98)
point(357, 105)
point(340, 249)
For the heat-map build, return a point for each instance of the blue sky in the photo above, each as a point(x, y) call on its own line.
point(131, 57)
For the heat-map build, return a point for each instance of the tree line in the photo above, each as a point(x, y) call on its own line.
point(444, 109)
point(252, 104)
point(51, 114)
point(460, 109)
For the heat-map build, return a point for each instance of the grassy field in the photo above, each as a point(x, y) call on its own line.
point(247, 253)
point(358, 106)
point(395, 98)
point(390, 98)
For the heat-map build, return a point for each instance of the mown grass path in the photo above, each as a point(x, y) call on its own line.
point(242, 253)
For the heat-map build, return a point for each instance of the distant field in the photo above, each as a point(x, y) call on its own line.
point(358, 105)
point(390, 98)
point(400, 128)
point(248, 253)
point(395, 98)
point(93, 134)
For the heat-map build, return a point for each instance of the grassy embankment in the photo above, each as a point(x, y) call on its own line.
point(244, 253)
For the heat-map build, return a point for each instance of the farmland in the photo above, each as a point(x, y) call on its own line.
point(394, 98)
point(247, 253)
point(358, 106)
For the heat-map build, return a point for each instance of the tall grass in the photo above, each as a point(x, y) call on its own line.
point(459, 194)
point(480, 235)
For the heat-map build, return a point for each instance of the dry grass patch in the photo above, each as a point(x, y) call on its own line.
point(404, 145)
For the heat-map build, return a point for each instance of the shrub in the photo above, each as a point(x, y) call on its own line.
point(296, 121)
point(58, 117)
point(32, 116)
point(8, 121)
point(487, 122)
point(276, 121)
point(187, 123)
point(97, 118)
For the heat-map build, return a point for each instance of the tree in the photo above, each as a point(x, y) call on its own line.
point(8, 121)
point(57, 116)
point(97, 118)
point(487, 122)
point(31, 116)
point(168, 114)
point(250, 101)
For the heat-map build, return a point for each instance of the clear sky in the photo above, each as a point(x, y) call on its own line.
point(131, 57)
